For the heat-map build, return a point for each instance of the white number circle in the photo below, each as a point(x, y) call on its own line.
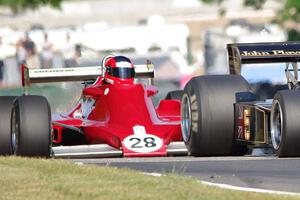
point(143, 143)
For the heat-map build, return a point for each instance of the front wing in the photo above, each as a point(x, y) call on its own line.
point(104, 150)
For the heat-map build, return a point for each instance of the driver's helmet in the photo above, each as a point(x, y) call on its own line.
point(118, 69)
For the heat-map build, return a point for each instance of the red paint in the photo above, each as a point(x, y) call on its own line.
point(120, 107)
point(23, 74)
point(168, 109)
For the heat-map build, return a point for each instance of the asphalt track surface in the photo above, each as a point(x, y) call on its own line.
point(264, 172)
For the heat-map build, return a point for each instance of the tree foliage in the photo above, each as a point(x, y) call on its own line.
point(18, 5)
point(290, 13)
point(289, 17)
point(257, 4)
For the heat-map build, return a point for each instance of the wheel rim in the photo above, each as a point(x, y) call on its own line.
point(276, 125)
point(14, 132)
point(186, 118)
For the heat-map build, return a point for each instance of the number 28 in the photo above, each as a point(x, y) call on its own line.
point(149, 142)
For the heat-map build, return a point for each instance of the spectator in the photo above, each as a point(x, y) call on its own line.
point(69, 52)
point(21, 52)
point(6, 50)
point(78, 49)
point(47, 53)
point(2, 57)
point(32, 59)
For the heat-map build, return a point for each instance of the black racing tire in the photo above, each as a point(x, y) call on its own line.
point(176, 94)
point(207, 115)
point(31, 126)
point(6, 104)
point(284, 122)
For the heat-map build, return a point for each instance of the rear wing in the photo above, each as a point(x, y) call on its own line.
point(75, 74)
point(249, 53)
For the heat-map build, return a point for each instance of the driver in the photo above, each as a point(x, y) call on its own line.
point(118, 69)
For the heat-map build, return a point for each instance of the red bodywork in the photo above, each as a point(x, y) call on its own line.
point(119, 115)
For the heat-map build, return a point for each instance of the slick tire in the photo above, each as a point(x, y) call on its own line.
point(176, 94)
point(285, 126)
point(31, 126)
point(207, 115)
point(6, 104)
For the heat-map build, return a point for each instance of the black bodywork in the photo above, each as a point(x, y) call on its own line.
point(252, 117)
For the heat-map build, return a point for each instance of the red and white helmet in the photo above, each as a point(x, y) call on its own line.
point(118, 69)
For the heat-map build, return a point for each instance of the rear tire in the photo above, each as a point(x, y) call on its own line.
point(285, 124)
point(6, 104)
point(207, 112)
point(31, 126)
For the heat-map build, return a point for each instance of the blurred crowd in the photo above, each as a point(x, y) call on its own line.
point(86, 45)
point(35, 55)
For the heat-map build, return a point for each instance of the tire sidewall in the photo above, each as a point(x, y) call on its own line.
point(6, 105)
point(212, 100)
point(288, 100)
point(193, 96)
point(34, 120)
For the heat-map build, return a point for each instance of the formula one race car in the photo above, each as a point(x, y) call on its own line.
point(221, 116)
point(114, 116)
point(217, 114)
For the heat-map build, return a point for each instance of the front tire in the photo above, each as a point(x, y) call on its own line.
point(285, 125)
point(207, 112)
point(31, 126)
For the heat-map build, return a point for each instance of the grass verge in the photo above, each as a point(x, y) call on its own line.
point(27, 178)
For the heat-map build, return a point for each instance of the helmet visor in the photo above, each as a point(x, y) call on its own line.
point(121, 72)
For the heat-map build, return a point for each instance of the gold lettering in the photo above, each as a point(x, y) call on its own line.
point(244, 53)
point(273, 52)
point(254, 53)
point(281, 52)
point(276, 52)
point(264, 53)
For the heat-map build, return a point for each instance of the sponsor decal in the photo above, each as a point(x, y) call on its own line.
point(106, 91)
point(240, 132)
point(77, 114)
point(142, 142)
point(123, 64)
point(240, 122)
point(194, 110)
point(270, 53)
point(54, 70)
point(87, 105)
point(109, 80)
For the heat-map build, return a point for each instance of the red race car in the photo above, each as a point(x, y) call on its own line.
point(114, 117)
